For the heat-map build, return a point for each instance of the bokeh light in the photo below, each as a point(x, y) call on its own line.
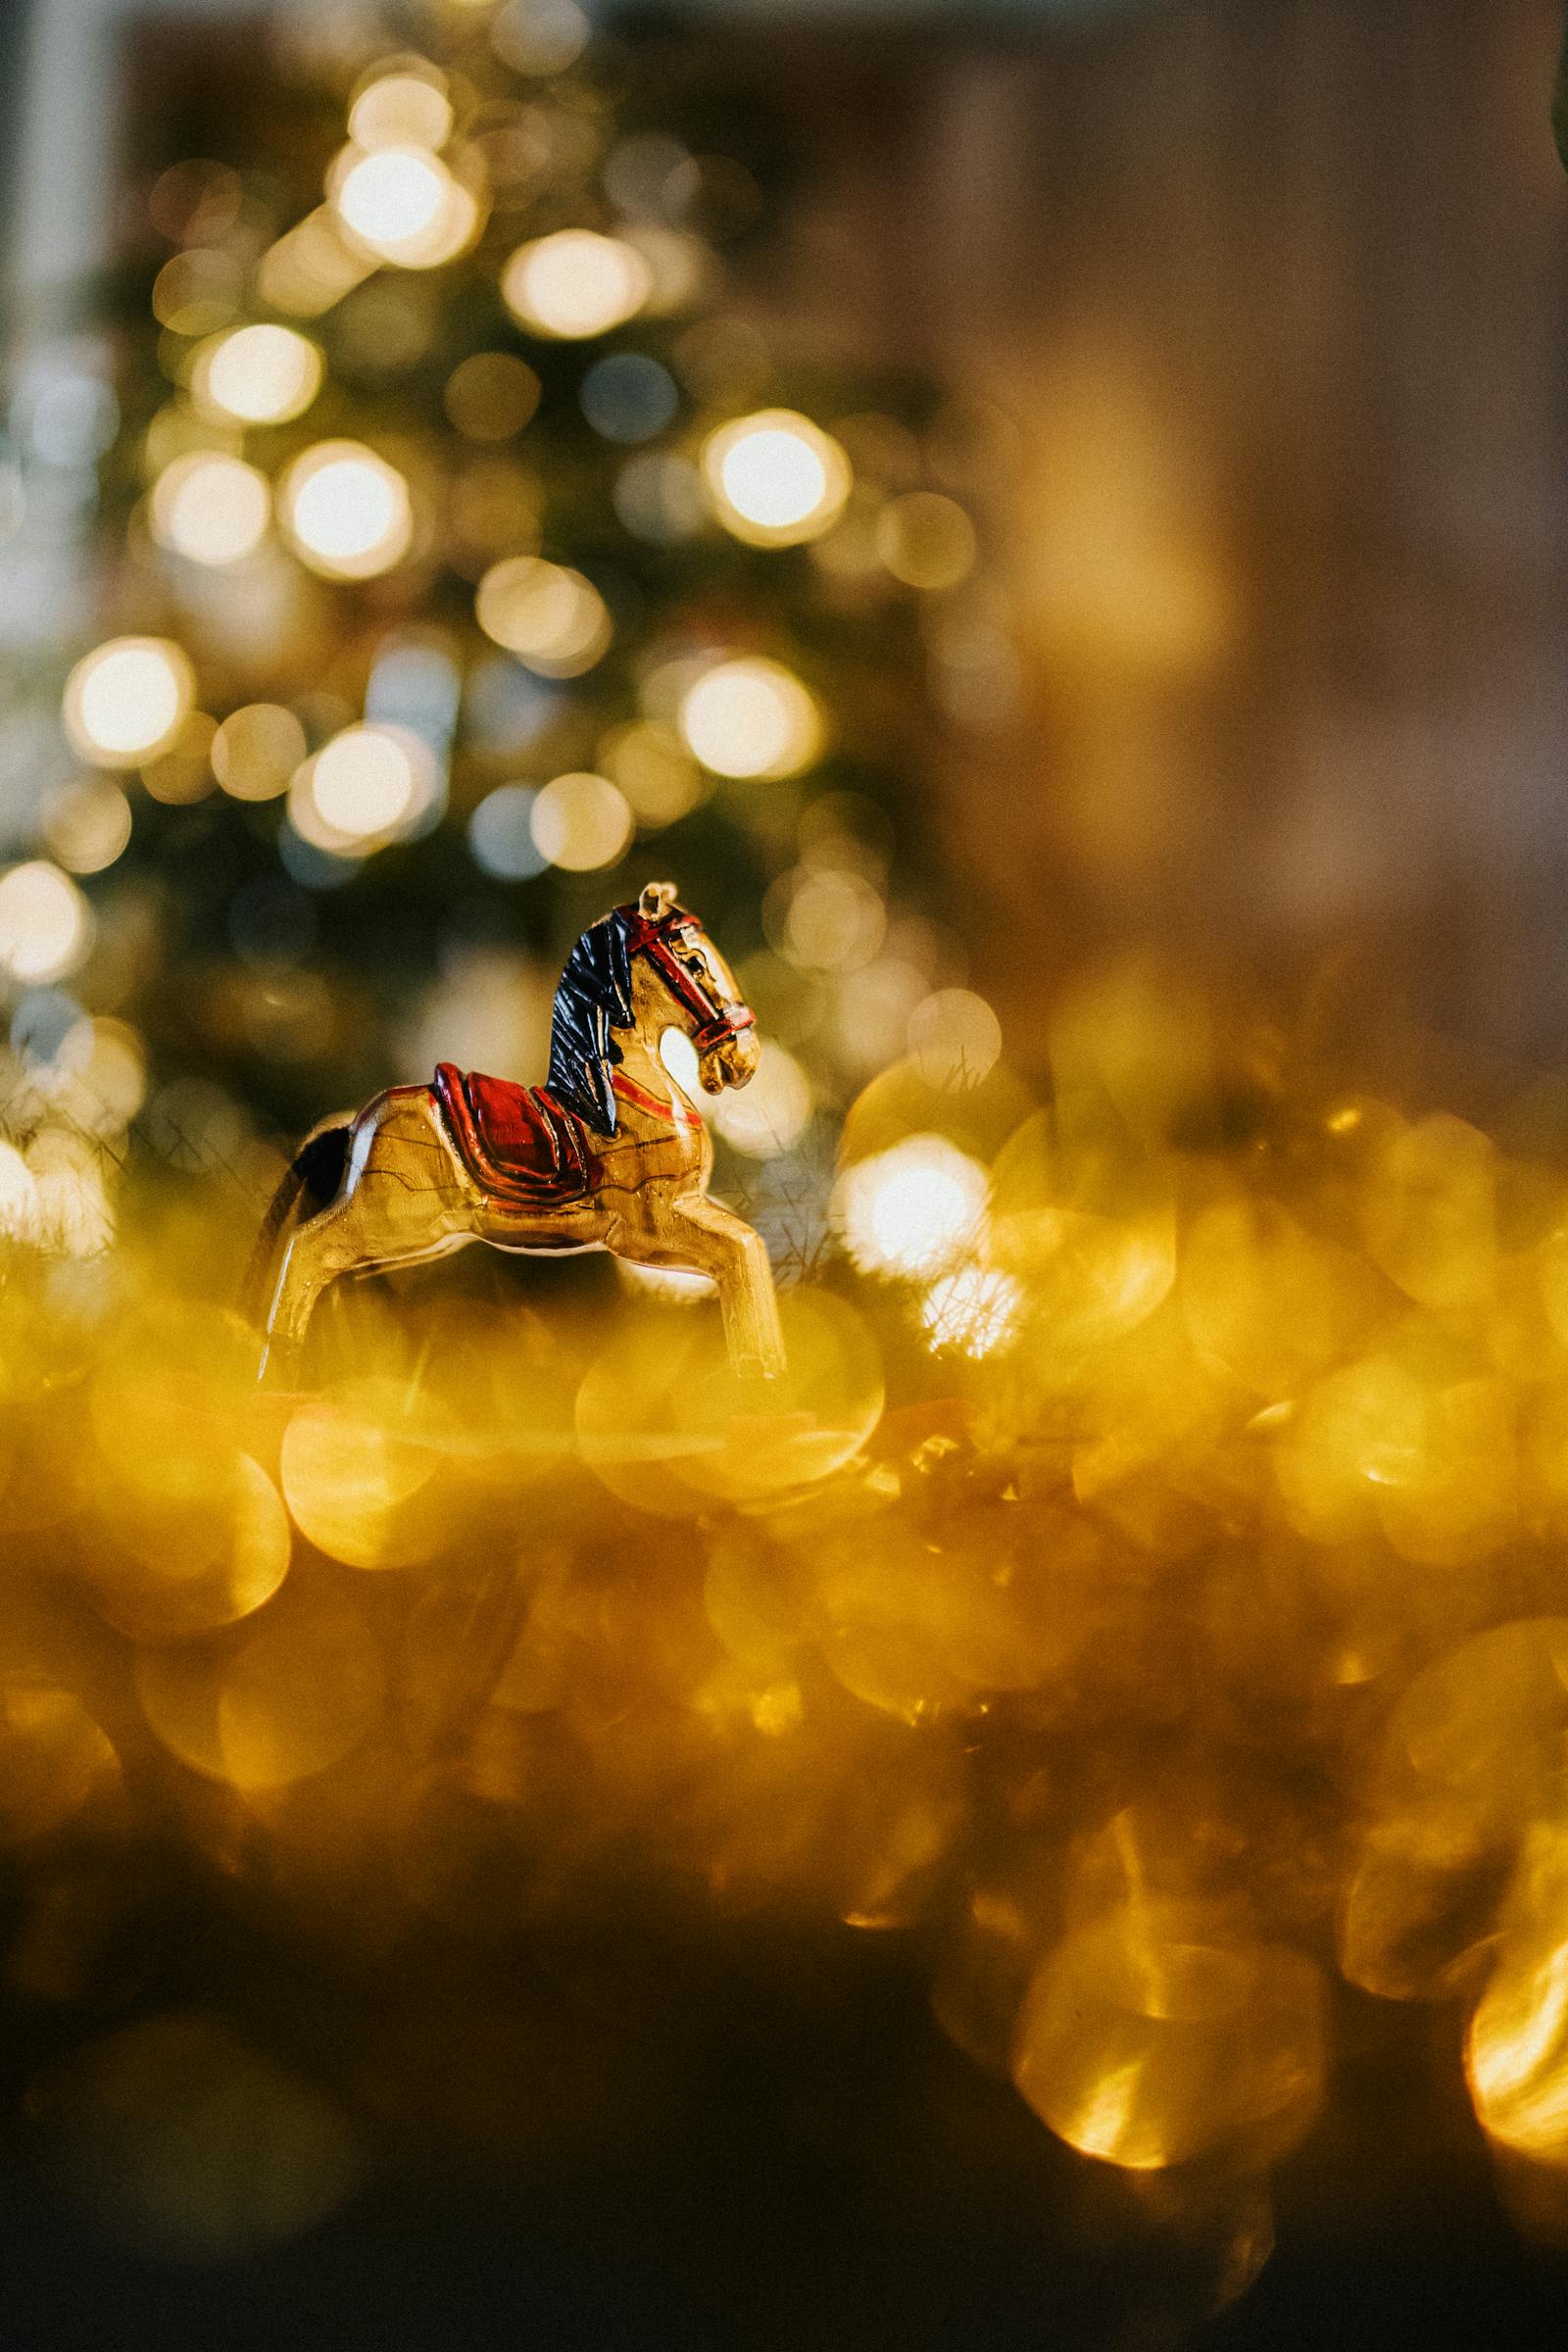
point(311, 267)
point(361, 790)
point(539, 36)
point(402, 109)
point(101, 1083)
point(85, 823)
point(360, 1474)
point(574, 284)
point(491, 395)
point(766, 1117)
point(666, 1423)
point(751, 717)
point(347, 512)
point(257, 750)
point(46, 926)
point(363, 782)
point(912, 1209)
point(211, 508)
point(128, 700)
point(654, 769)
point(501, 834)
point(833, 920)
point(926, 540)
point(403, 206)
point(776, 479)
point(186, 2145)
point(976, 1309)
point(547, 615)
point(659, 496)
point(287, 1693)
point(197, 291)
point(628, 397)
point(955, 1039)
point(182, 771)
point(262, 374)
point(1151, 2036)
point(580, 822)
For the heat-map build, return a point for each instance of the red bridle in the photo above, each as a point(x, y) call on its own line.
point(651, 937)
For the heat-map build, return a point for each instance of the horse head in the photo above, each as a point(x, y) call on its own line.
point(701, 989)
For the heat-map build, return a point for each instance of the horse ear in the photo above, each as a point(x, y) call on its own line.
point(657, 902)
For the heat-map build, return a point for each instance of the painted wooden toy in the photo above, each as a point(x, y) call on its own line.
point(608, 1153)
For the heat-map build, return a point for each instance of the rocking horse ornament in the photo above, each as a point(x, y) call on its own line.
point(608, 1153)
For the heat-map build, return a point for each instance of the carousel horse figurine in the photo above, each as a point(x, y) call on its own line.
point(608, 1153)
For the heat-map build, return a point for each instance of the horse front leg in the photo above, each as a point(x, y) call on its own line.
point(711, 1240)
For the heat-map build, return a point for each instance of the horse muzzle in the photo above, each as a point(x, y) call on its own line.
point(728, 1060)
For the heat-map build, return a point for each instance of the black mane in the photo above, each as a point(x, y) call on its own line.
point(594, 997)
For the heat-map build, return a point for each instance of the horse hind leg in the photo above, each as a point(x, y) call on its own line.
point(270, 1294)
point(396, 1206)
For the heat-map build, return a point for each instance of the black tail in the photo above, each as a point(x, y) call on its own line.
point(317, 1171)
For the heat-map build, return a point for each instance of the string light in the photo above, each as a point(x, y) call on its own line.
point(574, 284)
point(263, 374)
point(346, 511)
point(211, 508)
point(128, 700)
point(751, 717)
point(776, 479)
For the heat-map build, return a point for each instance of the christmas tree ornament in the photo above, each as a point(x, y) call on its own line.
point(608, 1153)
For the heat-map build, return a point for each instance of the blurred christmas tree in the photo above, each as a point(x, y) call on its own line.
point(471, 559)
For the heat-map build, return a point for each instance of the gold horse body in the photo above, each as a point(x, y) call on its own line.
point(393, 1184)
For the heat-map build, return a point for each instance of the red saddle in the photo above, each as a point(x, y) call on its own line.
point(516, 1142)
